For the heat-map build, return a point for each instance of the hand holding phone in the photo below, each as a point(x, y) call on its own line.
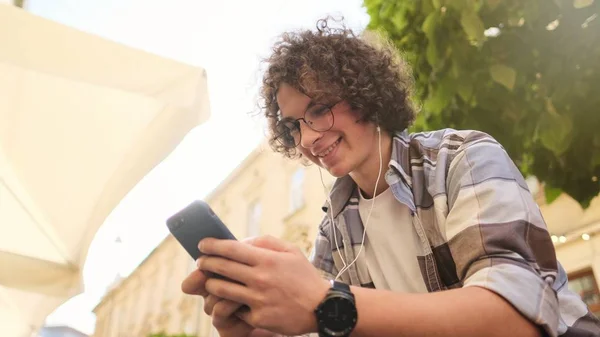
point(194, 223)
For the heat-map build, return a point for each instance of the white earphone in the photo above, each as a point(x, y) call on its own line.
point(327, 193)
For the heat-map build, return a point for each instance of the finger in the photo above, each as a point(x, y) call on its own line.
point(209, 303)
point(226, 308)
point(224, 317)
point(231, 249)
point(230, 291)
point(247, 315)
point(194, 283)
point(248, 239)
point(234, 270)
point(271, 243)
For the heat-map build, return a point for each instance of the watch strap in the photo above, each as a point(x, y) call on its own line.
point(340, 286)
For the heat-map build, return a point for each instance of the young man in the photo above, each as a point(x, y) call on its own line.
point(429, 234)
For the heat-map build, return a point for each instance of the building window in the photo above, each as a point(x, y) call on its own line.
point(296, 190)
point(170, 291)
point(584, 283)
point(254, 212)
point(189, 326)
point(224, 209)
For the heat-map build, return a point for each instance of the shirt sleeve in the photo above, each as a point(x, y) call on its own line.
point(496, 233)
point(322, 254)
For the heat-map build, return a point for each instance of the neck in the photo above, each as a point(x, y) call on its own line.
point(366, 175)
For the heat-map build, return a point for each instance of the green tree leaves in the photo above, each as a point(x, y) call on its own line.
point(555, 130)
point(429, 28)
point(472, 24)
point(554, 133)
point(582, 3)
point(532, 84)
point(504, 75)
point(551, 193)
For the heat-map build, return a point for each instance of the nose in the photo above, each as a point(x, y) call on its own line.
point(308, 136)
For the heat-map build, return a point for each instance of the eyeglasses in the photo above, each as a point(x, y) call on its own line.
point(318, 117)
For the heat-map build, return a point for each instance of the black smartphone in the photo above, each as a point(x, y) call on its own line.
point(194, 223)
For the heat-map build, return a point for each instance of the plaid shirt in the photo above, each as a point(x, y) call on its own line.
point(477, 223)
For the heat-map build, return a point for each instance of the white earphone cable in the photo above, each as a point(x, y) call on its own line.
point(362, 243)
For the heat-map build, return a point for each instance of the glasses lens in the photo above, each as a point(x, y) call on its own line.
point(288, 133)
point(319, 117)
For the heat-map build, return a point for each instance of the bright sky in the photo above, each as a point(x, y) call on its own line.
point(227, 38)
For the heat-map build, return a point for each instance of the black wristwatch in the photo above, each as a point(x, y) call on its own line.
point(336, 314)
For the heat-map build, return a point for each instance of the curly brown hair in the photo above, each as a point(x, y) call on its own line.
point(333, 64)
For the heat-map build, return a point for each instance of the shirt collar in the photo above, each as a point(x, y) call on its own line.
point(344, 187)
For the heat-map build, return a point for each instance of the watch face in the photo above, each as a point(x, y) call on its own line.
point(337, 316)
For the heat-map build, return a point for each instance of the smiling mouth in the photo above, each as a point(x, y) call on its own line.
point(329, 149)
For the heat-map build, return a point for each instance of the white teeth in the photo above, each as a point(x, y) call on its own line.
point(329, 149)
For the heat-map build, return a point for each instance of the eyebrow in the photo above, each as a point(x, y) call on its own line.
point(310, 104)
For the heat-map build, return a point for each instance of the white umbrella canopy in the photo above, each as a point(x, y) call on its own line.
point(82, 120)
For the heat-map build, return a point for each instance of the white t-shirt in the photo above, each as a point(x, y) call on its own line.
point(391, 244)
